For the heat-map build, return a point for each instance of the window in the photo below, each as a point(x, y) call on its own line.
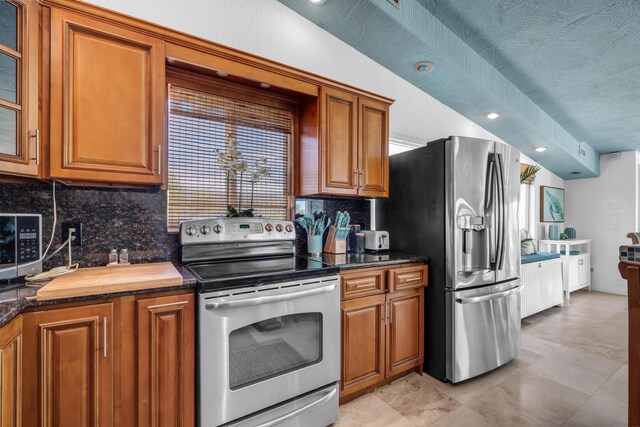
point(523, 206)
point(526, 214)
point(202, 116)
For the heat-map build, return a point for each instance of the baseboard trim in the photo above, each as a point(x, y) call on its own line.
point(610, 289)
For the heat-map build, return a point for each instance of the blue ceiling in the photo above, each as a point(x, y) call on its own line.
point(563, 74)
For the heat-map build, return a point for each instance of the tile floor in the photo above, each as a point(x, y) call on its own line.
point(572, 371)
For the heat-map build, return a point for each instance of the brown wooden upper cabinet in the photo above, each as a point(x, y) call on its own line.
point(347, 154)
point(373, 148)
point(19, 134)
point(339, 135)
point(107, 102)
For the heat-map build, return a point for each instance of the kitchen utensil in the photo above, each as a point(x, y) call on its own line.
point(360, 243)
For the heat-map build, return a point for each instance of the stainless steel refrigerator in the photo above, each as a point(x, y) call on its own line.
point(456, 201)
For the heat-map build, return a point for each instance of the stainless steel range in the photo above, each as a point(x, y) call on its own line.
point(268, 325)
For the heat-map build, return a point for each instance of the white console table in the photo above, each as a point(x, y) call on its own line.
point(576, 269)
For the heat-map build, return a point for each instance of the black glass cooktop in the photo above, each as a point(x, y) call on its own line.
point(227, 274)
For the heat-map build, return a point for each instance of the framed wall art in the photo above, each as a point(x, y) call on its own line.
point(551, 204)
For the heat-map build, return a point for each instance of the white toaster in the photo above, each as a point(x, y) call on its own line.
point(375, 240)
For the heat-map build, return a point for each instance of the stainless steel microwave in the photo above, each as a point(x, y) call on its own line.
point(20, 245)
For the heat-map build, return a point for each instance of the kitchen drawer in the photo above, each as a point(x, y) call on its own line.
point(411, 277)
point(362, 283)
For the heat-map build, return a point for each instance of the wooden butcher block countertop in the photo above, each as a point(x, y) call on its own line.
point(107, 280)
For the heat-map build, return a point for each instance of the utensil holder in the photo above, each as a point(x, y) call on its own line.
point(332, 245)
point(314, 244)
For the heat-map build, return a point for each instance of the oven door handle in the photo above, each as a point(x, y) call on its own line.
point(327, 396)
point(246, 302)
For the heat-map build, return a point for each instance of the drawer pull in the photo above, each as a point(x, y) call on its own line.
point(170, 304)
point(104, 337)
point(159, 159)
point(362, 285)
point(36, 135)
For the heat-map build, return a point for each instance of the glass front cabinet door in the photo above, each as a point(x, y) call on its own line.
point(19, 136)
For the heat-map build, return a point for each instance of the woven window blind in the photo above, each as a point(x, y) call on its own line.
point(199, 123)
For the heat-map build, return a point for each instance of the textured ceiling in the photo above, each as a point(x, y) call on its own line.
point(564, 74)
point(579, 60)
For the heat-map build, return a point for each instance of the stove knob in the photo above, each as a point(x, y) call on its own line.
point(268, 227)
point(279, 228)
point(205, 229)
point(289, 228)
point(191, 230)
point(217, 228)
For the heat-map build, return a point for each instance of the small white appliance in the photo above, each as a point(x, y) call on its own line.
point(376, 240)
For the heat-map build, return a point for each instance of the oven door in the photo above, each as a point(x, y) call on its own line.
point(260, 346)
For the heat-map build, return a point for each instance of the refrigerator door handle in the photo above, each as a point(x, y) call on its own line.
point(490, 206)
point(489, 297)
point(501, 213)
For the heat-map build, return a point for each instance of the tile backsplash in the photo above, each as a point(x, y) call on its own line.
point(360, 211)
point(123, 218)
point(111, 219)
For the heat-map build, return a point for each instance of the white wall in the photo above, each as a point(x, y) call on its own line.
point(271, 30)
point(540, 230)
point(604, 209)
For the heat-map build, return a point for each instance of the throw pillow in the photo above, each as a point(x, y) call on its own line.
point(527, 244)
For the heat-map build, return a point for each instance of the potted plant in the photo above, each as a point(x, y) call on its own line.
point(230, 160)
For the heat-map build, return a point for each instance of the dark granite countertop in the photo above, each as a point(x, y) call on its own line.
point(17, 296)
point(351, 260)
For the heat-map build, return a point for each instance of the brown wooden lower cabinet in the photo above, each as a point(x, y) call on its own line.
point(405, 331)
point(166, 334)
point(122, 361)
point(363, 332)
point(69, 366)
point(11, 374)
point(382, 334)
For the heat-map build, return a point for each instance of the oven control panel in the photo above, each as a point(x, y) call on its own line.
point(211, 230)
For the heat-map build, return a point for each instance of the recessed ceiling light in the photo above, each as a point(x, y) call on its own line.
point(492, 116)
point(540, 149)
point(222, 73)
point(424, 67)
point(317, 2)
point(265, 85)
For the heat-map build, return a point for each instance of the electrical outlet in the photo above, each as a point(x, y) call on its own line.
point(76, 239)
